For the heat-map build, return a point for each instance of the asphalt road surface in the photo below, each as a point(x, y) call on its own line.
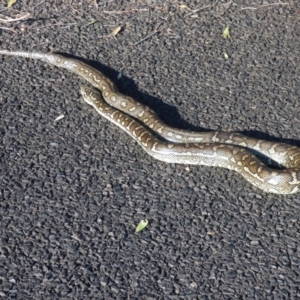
point(74, 188)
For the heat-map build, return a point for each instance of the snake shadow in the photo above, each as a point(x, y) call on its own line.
point(167, 113)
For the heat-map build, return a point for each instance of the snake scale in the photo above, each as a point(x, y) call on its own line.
point(216, 148)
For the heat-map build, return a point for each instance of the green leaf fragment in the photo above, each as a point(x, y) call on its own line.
point(10, 3)
point(226, 33)
point(115, 31)
point(143, 224)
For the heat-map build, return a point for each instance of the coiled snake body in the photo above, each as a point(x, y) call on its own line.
point(222, 149)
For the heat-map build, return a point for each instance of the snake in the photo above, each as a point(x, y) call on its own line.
point(230, 150)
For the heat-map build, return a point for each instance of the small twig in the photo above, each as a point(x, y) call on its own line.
point(118, 12)
point(8, 20)
point(103, 3)
point(148, 36)
point(226, 6)
point(74, 9)
point(57, 24)
point(5, 8)
point(34, 46)
point(39, 4)
point(199, 9)
point(5, 28)
point(265, 5)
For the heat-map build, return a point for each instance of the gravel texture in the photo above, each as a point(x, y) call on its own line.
point(73, 191)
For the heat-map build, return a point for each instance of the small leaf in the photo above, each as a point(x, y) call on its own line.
point(115, 31)
point(226, 55)
point(10, 3)
point(226, 33)
point(143, 224)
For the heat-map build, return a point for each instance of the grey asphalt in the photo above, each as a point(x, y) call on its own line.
point(73, 190)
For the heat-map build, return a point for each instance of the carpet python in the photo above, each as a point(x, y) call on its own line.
point(229, 150)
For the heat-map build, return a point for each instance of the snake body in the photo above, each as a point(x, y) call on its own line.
point(217, 148)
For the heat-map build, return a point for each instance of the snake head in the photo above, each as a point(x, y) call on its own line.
point(90, 95)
